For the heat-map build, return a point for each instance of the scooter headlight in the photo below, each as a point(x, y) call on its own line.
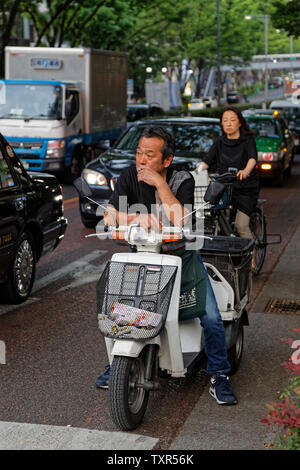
point(138, 235)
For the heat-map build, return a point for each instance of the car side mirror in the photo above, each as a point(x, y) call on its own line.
point(82, 187)
point(68, 109)
point(263, 133)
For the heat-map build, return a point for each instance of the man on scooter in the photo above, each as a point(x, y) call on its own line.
point(151, 182)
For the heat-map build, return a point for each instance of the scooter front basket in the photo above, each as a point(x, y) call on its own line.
point(133, 299)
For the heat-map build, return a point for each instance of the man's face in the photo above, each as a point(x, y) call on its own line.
point(149, 154)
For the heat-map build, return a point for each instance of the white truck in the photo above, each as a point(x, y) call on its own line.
point(58, 104)
point(165, 94)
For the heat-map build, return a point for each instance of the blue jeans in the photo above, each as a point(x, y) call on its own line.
point(214, 333)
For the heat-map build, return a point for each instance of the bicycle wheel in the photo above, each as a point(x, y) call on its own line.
point(258, 228)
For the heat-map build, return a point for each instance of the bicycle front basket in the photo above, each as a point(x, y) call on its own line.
point(133, 299)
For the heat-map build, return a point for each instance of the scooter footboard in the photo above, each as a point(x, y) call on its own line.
point(133, 299)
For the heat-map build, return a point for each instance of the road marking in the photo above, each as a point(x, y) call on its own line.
point(74, 268)
point(82, 271)
point(5, 308)
point(26, 436)
point(73, 199)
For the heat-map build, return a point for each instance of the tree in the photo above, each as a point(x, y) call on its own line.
point(287, 16)
point(9, 11)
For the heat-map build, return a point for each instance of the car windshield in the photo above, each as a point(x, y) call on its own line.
point(31, 101)
point(264, 127)
point(290, 113)
point(191, 140)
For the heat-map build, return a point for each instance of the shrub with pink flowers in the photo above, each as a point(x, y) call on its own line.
point(284, 415)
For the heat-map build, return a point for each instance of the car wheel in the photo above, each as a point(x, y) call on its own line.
point(22, 271)
point(280, 179)
point(88, 223)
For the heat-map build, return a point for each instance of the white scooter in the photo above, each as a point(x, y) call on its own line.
point(138, 297)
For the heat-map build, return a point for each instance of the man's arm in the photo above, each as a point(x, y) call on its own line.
point(173, 209)
point(122, 218)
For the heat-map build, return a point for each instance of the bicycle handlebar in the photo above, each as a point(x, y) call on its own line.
point(229, 177)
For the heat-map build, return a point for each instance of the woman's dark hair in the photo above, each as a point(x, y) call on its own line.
point(169, 143)
point(244, 126)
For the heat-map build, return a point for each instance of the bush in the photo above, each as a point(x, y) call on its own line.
point(284, 416)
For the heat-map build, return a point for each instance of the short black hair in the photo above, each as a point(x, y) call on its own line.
point(169, 142)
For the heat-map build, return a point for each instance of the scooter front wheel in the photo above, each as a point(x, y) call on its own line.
point(127, 398)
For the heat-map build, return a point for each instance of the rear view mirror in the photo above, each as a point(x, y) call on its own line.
point(82, 187)
point(263, 133)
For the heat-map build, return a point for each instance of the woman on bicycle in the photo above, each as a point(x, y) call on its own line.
point(236, 149)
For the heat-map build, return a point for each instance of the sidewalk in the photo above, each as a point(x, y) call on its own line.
point(260, 376)
point(209, 426)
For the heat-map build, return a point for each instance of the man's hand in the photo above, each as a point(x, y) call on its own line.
point(147, 221)
point(149, 176)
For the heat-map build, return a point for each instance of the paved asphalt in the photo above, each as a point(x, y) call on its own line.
point(209, 426)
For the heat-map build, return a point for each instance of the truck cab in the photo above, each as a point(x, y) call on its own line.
point(58, 105)
point(43, 122)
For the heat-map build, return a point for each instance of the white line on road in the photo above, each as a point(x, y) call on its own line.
point(73, 268)
point(81, 270)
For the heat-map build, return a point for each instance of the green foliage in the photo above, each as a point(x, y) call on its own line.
point(157, 33)
point(284, 415)
point(287, 16)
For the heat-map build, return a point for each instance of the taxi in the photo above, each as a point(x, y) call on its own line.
point(31, 223)
point(274, 142)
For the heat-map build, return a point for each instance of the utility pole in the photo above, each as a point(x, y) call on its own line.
point(218, 53)
point(266, 21)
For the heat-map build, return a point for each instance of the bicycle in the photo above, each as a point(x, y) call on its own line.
point(219, 215)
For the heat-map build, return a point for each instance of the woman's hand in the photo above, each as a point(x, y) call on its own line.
point(201, 167)
point(242, 174)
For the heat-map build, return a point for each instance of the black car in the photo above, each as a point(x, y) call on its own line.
point(193, 138)
point(233, 97)
point(291, 111)
point(31, 223)
point(135, 112)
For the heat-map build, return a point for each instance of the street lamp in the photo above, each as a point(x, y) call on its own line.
point(265, 20)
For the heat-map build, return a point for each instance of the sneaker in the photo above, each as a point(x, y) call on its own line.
point(221, 391)
point(102, 381)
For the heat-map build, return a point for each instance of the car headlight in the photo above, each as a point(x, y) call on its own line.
point(94, 178)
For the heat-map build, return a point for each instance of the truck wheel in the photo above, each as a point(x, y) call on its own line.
point(76, 167)
point(22, 271)
point(235, 353)
point(127, 400)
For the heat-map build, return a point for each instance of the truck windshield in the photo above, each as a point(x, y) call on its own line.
point(31, 101)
